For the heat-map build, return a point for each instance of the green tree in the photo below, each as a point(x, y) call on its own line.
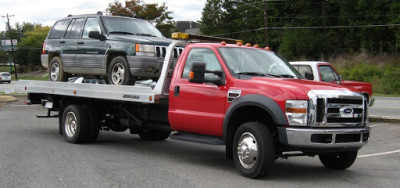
point(154, 13)
point(30, 46)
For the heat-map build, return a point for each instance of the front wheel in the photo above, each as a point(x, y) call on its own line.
point(253, 150)
point(338, 161)
point(119, 73)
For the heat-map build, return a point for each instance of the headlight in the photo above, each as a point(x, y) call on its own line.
point(145, 50)
point(296, 112)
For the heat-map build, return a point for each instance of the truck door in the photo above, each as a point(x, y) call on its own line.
point(194, 107)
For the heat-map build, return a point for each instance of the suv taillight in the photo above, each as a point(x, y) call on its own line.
point(43, 51)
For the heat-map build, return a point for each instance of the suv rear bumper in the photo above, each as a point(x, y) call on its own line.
point(45, 60)
point(322, 139)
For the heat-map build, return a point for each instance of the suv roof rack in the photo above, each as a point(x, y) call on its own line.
point(187, 36)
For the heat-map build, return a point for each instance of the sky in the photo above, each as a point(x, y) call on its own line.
point(47, 12)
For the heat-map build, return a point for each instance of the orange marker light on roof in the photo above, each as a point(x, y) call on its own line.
point(239, 43)
point(223, 42)
point(256, 46)
point(191, 75)
point(248, 44)
point(137, 48)
point(267, 48)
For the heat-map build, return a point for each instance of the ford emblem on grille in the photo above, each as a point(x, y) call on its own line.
point(346, 111)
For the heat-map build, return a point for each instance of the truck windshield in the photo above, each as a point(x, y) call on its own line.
point(256, 62)
point(120, 25)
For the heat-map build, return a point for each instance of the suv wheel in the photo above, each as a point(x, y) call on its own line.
point(56, 70)
point(118, 72)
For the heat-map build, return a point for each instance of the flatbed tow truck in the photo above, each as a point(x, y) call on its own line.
point(244, 97)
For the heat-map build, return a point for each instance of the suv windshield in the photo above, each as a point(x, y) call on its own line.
point(256, 62)
point(121, 25)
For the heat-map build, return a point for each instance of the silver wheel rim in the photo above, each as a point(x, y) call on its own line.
point(118, 74)
point(70, 124)
point(247, 150)
point(54, 71)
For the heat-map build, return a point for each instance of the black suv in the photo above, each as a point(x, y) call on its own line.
point(121, 49)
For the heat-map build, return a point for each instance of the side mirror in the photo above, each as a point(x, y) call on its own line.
point(309, 76)
point(96, 35)
point(198, 71)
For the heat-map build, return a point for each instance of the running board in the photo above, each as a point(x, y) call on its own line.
point(197, 138)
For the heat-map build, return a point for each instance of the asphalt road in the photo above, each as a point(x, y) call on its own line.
point(33, 154)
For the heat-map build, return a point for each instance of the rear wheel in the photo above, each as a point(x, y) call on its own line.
point(56, 70)
point(75, 124)
point(94, 128)
point(338, 161)
point(253, 150)
point(119, 73)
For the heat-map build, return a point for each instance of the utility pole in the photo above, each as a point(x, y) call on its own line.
point(265, 23)
point(12, 45)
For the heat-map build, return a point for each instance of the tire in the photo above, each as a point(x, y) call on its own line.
point(56, 70)
point(338, 161)
point(253, 150)
point(155, 135)
point(75, 124)
point(94, 129)
point(119, 73)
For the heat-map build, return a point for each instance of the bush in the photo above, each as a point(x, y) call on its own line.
point(384, 76)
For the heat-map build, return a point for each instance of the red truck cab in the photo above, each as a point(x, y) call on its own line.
point(240, 93)
point(325, 72)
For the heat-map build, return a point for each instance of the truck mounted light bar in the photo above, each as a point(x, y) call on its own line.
point(187, 36)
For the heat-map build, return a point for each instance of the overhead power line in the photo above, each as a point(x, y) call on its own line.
point(309, 27)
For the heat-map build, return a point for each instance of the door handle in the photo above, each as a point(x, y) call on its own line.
point(62, 42)
point(176, 91)
point(81, 42)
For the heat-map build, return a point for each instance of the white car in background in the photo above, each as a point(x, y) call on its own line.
point(5, 77)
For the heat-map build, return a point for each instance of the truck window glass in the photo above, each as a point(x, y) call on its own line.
point(327, 74)
point(303, 69)
point(202, 55)
point(91, 25)
point(58, 29)
point(132, 26)
point(250, 60)
point(74, 29)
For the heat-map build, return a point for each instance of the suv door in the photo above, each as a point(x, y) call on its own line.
point(91, 52)
point(194, 107)
point(70, 46)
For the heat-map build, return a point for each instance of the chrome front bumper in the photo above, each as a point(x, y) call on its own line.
point(323, 139)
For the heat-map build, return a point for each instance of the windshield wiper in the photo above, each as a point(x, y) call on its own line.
point(286, 76)
point(121, 32)
point(145, 34)
point(258, 74)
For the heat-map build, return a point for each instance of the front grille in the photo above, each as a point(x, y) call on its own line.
point(161, 51)
point(349, 111)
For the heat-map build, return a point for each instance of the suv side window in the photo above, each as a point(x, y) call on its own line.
point(58, 29)
point(91, 25)
point(202, 55)
point(74, 29)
